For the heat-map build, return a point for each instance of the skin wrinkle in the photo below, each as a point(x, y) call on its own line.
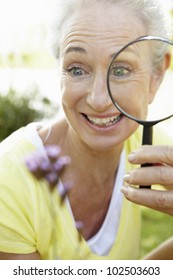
point(80, 95)
point(99, 48)
point(161, 175)
point(83, 39)
point(103, 24)
point(143, 154)
point(70, 27)
point(160, 202)
point(98, 40)
point(98, 147)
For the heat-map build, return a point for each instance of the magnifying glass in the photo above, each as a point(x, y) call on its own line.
point(138, 82)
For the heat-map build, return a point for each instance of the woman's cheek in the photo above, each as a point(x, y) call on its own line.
point(72, 92)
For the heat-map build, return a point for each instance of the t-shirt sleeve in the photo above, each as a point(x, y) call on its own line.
point(27, 218)
point(17, 234)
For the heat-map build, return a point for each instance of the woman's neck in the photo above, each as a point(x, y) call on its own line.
point(97, 166)
point(92, 176)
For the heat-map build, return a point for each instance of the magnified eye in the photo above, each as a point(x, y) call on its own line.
point(120, 71)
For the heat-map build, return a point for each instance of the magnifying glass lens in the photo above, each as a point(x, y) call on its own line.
point(140, 79)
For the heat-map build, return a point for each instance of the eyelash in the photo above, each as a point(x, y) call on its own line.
point(69, 70)
point(122, 66)
point(80, 68)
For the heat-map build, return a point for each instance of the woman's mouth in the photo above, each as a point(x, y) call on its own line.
point(104, 122)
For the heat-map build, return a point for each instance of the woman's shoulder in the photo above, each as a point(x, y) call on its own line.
point(13, 172)
point(26, 203)
point(14, 175)
point(15, 144)
point(54, 133)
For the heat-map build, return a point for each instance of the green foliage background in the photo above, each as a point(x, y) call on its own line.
point(19, 110)
point(156, 228)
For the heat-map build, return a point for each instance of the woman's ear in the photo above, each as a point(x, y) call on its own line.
point(157, 76)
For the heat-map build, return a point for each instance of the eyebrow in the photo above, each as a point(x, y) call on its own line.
point(75, 49)
point(126, 50)
point(81, 50)
point(119, 53)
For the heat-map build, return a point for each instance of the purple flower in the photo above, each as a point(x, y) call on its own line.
point(79, 226)
point(47, 164)
point(52, 151)
point(38, 163)
point(65, 190)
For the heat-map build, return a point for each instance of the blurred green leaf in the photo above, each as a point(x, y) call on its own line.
point(156, 228)
point(19, 110)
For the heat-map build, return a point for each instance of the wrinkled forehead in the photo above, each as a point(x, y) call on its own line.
point(102, 23)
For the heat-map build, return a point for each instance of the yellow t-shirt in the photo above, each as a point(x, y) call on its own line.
point(33, 219)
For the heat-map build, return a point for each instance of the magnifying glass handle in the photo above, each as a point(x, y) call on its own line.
point(147, 140)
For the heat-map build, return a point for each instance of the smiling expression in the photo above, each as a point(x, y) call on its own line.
point(90, 38)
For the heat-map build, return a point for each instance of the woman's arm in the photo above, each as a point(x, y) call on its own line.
point(162, 252)
point(9, 256)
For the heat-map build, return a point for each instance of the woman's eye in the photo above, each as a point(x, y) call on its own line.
point(76, 71)
point(120, 72)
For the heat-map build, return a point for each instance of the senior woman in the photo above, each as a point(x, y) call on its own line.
point(34, 223)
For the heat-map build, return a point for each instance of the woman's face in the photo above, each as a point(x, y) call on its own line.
point(90, 38)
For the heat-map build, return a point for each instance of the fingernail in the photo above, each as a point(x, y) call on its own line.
point(132, 157)
point(126, 177)
point(125, 190)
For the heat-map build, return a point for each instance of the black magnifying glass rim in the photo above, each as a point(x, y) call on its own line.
point(139, 39)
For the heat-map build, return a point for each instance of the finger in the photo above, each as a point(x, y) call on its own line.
point(152, 154)
point(168, 211)
point(162, 175)
point(155, 199)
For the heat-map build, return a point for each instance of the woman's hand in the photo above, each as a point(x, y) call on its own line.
point(161, 172)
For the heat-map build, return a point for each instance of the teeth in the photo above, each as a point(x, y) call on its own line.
point(104, 121)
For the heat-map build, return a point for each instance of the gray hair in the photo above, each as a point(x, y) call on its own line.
point(150, 12)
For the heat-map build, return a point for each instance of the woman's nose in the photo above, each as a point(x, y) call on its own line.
point(98, 97)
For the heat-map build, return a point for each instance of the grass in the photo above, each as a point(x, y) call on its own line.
point(156, 228)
